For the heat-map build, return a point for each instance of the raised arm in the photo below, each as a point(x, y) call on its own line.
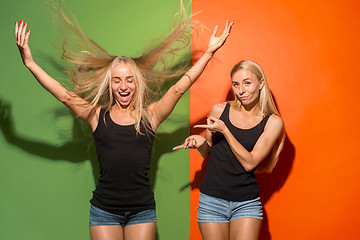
point(80, 107)
point(263, 146)
point(161, 110)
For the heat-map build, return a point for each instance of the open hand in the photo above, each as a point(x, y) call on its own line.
point(22, 40)
point(216, 42)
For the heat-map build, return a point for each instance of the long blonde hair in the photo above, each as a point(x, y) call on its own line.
point(267, 106)
point(93, 65)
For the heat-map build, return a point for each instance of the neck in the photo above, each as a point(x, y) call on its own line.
point(252, 109)
point(118, 106)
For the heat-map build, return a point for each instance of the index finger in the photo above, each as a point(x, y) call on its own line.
point(215, 30)
point(202, 126)
point(178, 147)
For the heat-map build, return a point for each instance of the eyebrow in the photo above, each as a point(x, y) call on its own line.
point(125, 78)
point(242, 80)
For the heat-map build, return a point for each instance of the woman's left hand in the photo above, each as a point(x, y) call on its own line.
point(213, 125)
point(191, 142)
point(217, 42)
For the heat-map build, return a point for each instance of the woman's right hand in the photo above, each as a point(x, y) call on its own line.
point(22, 40)
point(191, 142)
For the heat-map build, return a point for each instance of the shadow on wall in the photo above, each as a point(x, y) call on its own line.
point(268, 183)
point(80, 146)
point(273, 182)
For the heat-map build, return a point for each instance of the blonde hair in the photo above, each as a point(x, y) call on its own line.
point(267, 106)
point(93, 65)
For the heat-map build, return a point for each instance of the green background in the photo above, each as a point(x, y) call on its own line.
point(48, 163)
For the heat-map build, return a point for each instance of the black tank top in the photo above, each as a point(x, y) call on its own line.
point(225, 177)
point(124, 157)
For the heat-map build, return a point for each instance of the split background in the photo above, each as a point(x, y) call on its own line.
point(309, 51)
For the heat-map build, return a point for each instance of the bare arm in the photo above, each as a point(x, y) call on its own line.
point(195, 141)
point(162, 109)
point(263, 146)
point(77, 105)
point(203, 144)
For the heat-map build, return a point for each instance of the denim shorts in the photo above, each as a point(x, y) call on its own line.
point(99, 217)
point(212, 209)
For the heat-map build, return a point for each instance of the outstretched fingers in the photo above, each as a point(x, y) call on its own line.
point(227, 29)
point(22, 39)
point(21, 33)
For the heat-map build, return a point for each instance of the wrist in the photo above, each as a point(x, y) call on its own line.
point(204, 149)
point(29, 63)
point(225, 130)
point(204, 144)
point(209, 53)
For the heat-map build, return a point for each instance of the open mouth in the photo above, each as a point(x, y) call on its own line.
point(124, 97)
point(124, 94)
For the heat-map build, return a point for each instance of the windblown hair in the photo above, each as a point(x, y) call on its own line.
point(267, 106)
point(93, 65)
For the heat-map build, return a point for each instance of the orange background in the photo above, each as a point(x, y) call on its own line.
point(309, 51)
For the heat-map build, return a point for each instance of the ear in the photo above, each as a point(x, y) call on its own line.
point(262, 83)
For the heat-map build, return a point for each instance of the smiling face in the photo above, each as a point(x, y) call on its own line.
point(123, 84)
point(246, 87)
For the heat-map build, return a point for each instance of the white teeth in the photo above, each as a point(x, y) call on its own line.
point(124, 94)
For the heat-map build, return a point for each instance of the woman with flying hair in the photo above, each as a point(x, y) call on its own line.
point(115, 96)
point(242, 137)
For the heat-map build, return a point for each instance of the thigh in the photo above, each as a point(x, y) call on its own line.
point(245, 229)
point(214, 231)
point(143, 231)
point(114, 232)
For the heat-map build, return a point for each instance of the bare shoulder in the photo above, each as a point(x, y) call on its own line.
point(217, 109)
point(275, 123)
point(93, 118)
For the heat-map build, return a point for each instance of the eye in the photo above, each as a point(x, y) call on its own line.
point(235, 84)
point(129, 79)
point(247, 83)
point(115, 80)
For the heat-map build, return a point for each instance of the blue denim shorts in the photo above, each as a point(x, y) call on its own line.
point(212, 209)
point(99, 217)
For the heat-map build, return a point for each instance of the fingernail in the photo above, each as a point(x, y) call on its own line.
point(207, 115)
point(193, 139)
point(15, 22)
point(28, 31)
point(21, 21)
point(188, 140)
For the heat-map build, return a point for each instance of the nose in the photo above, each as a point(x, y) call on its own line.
point(123, 85)
point(241, 89)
